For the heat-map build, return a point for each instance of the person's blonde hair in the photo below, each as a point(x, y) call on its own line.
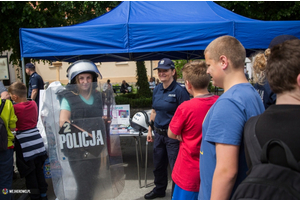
point(230, 47)
point(195, 73)
point(19, 89)
point(259, 63)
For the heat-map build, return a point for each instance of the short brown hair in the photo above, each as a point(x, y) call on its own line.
point(195, 73)
point(19, 89)
point(230, 47)
point(283, 66)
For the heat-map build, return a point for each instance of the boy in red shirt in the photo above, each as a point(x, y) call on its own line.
point(30, 150)
point(186, 126)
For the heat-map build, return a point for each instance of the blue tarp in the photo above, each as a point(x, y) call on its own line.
point(150, 30)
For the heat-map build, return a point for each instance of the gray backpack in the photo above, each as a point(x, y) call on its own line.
point(266, 180)
point(3, 131)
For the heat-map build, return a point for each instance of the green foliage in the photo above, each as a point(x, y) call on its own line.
point(178, 66)
point(134, 100)
point(264, 10)
point(211, 88)
point(39, 14)
point(142, 80)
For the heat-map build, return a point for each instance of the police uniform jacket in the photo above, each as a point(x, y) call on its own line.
point(166, 101)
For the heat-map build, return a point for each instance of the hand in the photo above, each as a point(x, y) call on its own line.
point(179, 138)
point(149, 136)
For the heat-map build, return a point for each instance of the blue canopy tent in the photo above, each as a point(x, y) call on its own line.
point(150, 30)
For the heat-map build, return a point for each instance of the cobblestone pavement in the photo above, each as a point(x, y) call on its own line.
point(131, 190)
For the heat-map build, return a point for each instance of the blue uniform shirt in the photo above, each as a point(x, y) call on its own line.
point(166, 101)
point(35, 82)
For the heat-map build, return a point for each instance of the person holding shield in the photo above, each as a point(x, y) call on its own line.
point(82, 132)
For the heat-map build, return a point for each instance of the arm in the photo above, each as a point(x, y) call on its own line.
point(5, 95)
point(34, 93)
point(225, 172)
point(65, 112)
point(64, 116)
point(152, 118)
point(12, 116)
point(173, 136)
point(105, 87)
point(177, 124)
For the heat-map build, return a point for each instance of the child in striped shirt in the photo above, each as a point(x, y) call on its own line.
point(30, 150)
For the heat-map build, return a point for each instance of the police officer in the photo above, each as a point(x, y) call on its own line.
point(36, 83)
point(82, 111)
point(167, 96)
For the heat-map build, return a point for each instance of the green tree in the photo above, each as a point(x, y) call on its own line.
point(178, 66)
point(142, 80)
point(264, 10)
point(39, 14)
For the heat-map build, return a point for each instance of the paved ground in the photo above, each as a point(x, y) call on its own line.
point(131, 190)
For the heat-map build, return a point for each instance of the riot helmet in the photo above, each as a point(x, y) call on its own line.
point(140, 121)
point(82, 66)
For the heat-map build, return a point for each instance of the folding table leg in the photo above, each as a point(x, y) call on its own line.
point(146, 163)
point(137, 161)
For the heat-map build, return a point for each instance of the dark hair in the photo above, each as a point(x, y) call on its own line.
point(283, 66)
point(175, 75)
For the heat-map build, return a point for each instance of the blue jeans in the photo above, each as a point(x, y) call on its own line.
point(6, 172)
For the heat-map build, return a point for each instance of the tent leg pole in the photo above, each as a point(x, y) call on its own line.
point(23, 71)
point(151, 68)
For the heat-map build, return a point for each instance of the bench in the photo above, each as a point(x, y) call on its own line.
point(117, 89)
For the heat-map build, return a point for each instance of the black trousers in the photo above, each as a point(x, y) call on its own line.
point(35, 180)
point(86, 177)
point(165, 152)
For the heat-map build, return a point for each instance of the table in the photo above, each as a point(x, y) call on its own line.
point(138, 150)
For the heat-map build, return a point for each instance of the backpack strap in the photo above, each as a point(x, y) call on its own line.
point(2, 105)
point(292, 162)
point(253, 146)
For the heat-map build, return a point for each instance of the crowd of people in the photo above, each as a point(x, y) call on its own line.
point(20, 117)
point(213, 159)
point(201, 139)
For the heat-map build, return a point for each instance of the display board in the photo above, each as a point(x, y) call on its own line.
point(4, 73)
point(120, 119)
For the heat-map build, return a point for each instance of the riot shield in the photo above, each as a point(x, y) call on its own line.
point(81, 165)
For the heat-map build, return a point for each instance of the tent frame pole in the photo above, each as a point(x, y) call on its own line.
point(23, 70)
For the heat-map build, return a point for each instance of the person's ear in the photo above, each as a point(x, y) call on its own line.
point(298, 80)
point(13, 97)
point(173, 72)
point(188, 85)
point(224, 62)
